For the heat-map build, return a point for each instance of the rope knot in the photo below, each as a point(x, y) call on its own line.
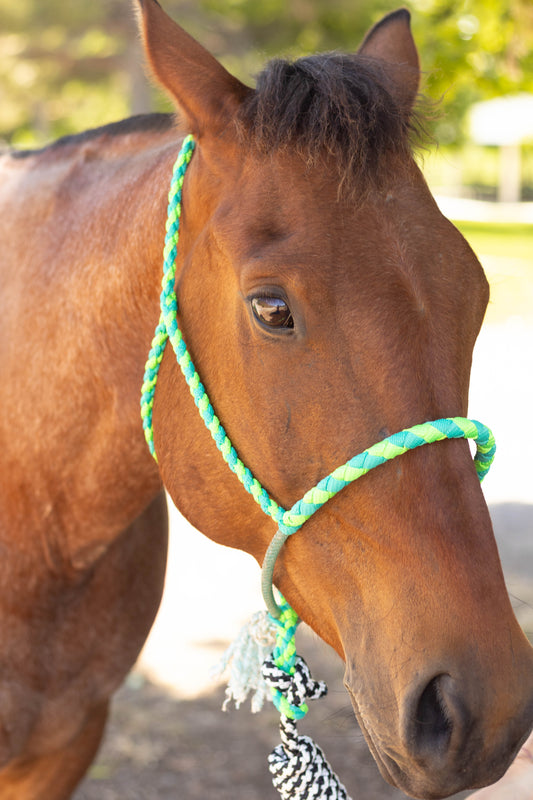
point(300, 770)
point(290, 690)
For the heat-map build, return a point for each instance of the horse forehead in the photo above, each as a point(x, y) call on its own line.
point(302, 224)
point(280, 218)
point(290, 217)
point(279, 197)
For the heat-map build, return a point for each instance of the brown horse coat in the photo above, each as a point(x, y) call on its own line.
point(309, 200)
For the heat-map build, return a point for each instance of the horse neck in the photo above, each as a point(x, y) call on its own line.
point(79, 471)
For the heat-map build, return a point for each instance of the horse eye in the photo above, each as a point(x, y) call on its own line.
point(272, 311)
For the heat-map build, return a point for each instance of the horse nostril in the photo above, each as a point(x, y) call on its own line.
point(452, 738)
point(434, 718)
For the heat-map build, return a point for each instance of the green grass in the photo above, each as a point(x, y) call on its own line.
point(505, 240)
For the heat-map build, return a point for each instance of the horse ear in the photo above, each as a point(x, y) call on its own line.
point(391, 41)
point(204, 91)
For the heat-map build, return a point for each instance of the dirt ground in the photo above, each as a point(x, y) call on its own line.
point(160, 747)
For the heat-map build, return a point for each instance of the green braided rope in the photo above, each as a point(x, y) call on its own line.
point(284, 656)
point(288, 521)
point(161, 335)
point(168, 329)
point(389, 448)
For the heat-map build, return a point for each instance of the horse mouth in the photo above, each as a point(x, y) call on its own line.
point(414, 781)
point(388, 768)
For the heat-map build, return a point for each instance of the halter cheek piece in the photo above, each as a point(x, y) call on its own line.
point(288, 521)
point(298, 765)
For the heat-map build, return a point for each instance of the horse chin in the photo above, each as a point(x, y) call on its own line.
point(390, 770)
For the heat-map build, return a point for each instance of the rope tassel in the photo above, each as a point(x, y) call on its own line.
point(242, 662)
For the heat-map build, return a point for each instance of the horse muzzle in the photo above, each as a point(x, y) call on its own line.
point(452, 735)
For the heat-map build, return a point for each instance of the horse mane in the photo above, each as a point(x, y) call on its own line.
point(333, 103)
point(140, 123)
point(329, 103)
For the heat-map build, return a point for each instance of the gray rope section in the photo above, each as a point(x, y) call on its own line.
point(267, 573)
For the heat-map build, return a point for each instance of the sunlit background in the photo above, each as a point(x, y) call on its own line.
point(68, 66)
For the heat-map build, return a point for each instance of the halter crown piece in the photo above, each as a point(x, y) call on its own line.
point(267, 644)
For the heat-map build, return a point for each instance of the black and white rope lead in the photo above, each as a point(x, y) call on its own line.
point(299, 768)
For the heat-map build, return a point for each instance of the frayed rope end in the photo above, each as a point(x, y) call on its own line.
point(243, 660)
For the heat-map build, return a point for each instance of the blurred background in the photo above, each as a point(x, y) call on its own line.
point(67, 66)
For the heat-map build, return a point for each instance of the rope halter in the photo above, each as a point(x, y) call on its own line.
point(288, 521)
point(299, 769)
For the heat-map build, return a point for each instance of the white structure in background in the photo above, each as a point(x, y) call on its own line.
point(506, 122)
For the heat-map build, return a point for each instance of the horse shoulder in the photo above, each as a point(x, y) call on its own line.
point(72, 215)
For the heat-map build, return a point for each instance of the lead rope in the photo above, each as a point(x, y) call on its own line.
point(263, 659)
point(298, 766)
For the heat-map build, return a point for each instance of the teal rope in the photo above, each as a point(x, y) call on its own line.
point(168, 329)
point(284, 656)
point(288, 521)
point(161, 335)
point(389, 448)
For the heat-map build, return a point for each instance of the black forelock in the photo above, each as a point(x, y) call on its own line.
point(331, 103)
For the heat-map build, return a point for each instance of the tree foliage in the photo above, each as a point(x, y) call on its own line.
point(473, 50)
point(68, 66)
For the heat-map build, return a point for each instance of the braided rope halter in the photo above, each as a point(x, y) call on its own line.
point(298, 766)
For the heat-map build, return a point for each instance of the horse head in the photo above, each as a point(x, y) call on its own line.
point(327, 302)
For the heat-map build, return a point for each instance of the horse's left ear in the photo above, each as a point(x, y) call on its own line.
point(391, 41)
point(205, 92)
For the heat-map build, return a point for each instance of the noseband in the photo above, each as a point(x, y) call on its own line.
point(292, 520)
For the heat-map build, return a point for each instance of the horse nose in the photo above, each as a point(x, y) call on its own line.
point(440, 714)
point(443, 727)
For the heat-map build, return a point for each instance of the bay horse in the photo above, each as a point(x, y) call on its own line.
point(326, 302)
